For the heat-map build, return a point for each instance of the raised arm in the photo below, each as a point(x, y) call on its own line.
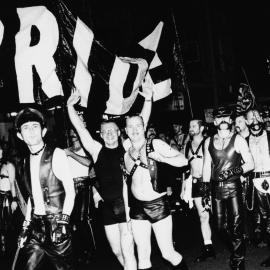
point(242, 147)
point(207, 160)
point(164, 153)
point(147, 93)
point(90, 145)
point(84, 160)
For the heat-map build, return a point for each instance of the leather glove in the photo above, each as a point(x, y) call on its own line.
point(62, 230)
point(26, 230)
point(229, 173)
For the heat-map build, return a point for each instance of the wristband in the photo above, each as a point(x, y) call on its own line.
point(64, 219)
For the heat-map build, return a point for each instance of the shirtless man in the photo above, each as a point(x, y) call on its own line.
point(194, 152)
point(109, 192)
point(149, 208)
point(226, 158)
point(8, 199)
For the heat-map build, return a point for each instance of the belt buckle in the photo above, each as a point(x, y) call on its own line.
point(221, 184)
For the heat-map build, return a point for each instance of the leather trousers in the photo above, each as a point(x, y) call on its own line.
point(5, 218)
point(81, 209)
point(262, 203)
point(5, 211)
point(39, 246)
point(228, 209)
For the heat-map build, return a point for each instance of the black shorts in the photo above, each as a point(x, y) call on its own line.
point(152, 211)
point(197, 187)
point(113, 212)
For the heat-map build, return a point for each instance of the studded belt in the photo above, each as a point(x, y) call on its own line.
point(261, 174)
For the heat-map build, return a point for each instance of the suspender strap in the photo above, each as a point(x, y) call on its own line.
point(137, 163)
point(152, 164)
point(195, 154)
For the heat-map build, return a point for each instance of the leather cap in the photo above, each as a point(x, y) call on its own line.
point(29, 115)
point(222, 112)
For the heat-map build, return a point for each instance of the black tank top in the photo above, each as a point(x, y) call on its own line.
point(109, 173)
point(224, 159)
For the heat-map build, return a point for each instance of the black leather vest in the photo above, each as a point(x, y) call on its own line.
point(52, 188)
point(224, 159)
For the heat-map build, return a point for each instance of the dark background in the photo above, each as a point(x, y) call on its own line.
point(222, 44)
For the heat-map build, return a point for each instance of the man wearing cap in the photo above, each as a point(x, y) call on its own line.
point(48, 188)
point(259, 140)
point(226, 158)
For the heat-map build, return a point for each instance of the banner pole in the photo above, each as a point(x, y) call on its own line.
point(181, 63)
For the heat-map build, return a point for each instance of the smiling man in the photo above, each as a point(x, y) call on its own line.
point(47, 186)
point(149, 207)
point(108, 193)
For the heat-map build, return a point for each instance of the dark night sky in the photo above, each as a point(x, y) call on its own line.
point(118, 24)
point(250, 30)
point(246, 23)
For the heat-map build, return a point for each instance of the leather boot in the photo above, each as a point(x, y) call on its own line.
point(181, 266)
point(208, 252)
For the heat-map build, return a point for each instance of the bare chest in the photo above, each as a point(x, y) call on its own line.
point(221, 143)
